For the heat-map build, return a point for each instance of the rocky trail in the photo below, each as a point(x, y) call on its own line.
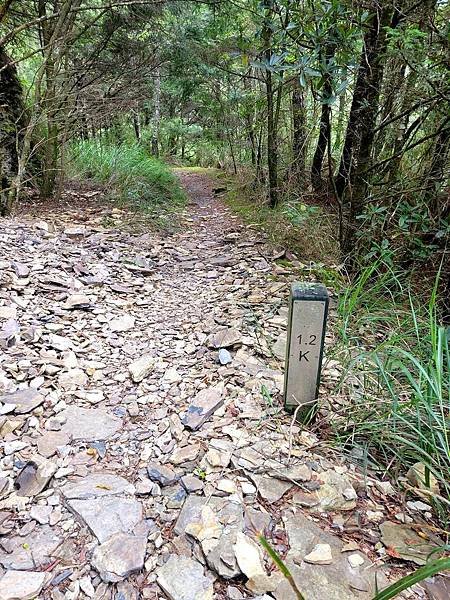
point(143, 442)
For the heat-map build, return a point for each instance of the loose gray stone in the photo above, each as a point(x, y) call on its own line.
point(34, 477)
point(31, 551)
point(202, 407)
point(335, 581)
point(48, 443)
point(224, 357)
point(139, 369)
point(41, 514)
point(192, 483)
point(24, 400)
point(107, 515)
point(405, 541)
point(89, 424)
point(225, 338)
point(21, 585)
point(182, 578)
point(162, 474)
point(97, 485)
point(335, 493)
point(185, 454)
point(269, 488)
point(119, 557)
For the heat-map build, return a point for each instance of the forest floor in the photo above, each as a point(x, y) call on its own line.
point(143, 436)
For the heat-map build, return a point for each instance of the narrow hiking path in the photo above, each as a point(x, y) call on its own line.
point(135, 464)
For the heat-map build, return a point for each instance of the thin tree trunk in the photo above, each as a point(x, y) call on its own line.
point(156, 113)
point(300, 134)
point(438, 172)
point(325, 125)
point(272, 149)
point(137, 127)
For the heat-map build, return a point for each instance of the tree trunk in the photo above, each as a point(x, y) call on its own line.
point(437, 173)
point(11, 125)
point(325, 124)
point(300, 134)
point(366, 89)
point(156, 114)
point(137, 127)
point(272, 149)
point(351, 181)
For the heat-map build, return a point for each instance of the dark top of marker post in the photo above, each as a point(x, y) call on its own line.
point(309, 291)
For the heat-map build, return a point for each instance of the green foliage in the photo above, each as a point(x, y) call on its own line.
point(305, 229)
point(134, 178)
point(281, 565)
point(418, 575)
point(398, 362)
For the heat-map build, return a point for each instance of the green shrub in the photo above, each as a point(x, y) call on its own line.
point(134, 178)
point(398, 367)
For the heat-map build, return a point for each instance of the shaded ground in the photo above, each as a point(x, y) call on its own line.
point(135, 464)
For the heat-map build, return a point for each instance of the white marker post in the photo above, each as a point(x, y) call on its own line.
point(308, 309)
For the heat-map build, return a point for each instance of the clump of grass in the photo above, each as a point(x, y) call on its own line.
point(399, 358)
point(134, 178)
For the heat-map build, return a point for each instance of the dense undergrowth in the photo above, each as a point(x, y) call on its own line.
point(396, 358)
point(303, 227)
point(131, 176)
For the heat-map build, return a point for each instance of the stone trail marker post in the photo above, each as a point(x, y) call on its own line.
point(308, 310)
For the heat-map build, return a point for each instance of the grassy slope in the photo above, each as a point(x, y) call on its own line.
point(132, 177)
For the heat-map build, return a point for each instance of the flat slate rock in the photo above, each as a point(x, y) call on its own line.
point(25, 400)
point(334, 581)
point(89, 424)
point(225, 338)
point(108, 515)
point(406, 542)
point(23, 585)
point(31, 551)
point(119, 557)
point(182, 578)
point(202, 407)
point(48, 443)
point(96, 486)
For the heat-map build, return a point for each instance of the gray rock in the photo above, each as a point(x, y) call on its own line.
point(224, 357)
point(225, 338)
point(25, 400)
point(335, 493)
point(41, 514)
point(190, 512)
point(192, 483)
point(89, 424)
point(140, 368)
point(161, 474)
point(48, 443)
point(335, 581)
point(125, 591)
point(279, 348)
point(107, 515)
point(34, 477)
point(31, 551)
point(119, 557)
point(182, 578)
point(406, 542)
point(202, 407)
point(185, 454)
point(96, 486)
point(21, 585)
point(270, 488)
